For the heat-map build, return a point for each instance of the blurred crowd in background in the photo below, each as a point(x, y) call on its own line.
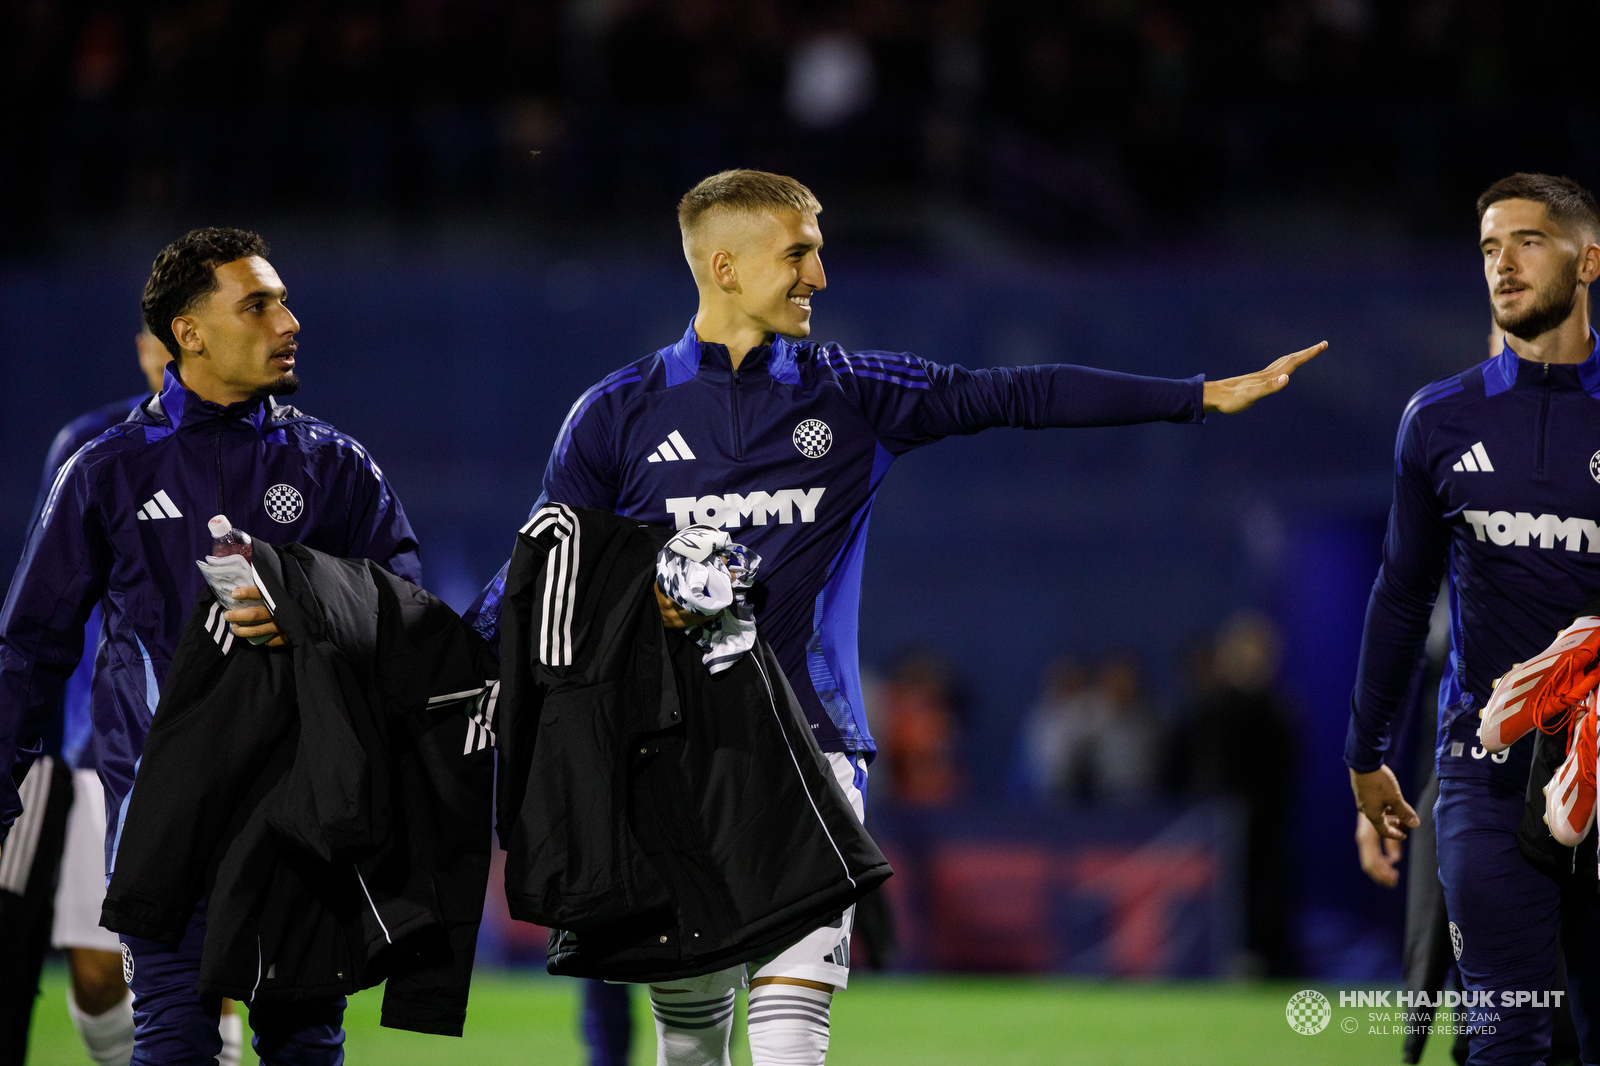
point(1076, 120)
point(1097, 738)
point(1096, 735)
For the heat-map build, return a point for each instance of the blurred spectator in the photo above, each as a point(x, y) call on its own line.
point(1238, 741)
point(920, 733)
point(1119, 760)
point(1051, 730)
point(1091, 743)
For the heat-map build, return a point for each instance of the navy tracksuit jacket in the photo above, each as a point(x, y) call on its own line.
point(1497, 480)
point(787, 452)
point(122, 526)
point(1497, 483)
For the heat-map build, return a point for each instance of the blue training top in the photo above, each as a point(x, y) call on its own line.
point(1497, 481)
point(123, 524)
point(787, 453)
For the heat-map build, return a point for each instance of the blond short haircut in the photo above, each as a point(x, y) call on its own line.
point(744, 191)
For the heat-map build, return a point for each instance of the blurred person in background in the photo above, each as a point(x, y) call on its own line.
point(122, 525)
point(1478, 456)
point(1118, 756)
point(1239, 742)
point(1094, 743)
point(1050, 731)
point(72, 858)
point(922, 731)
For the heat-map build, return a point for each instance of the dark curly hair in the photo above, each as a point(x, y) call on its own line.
point(186, 272)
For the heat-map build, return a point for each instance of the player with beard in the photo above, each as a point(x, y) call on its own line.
point(122, 525)
point(1497, 483)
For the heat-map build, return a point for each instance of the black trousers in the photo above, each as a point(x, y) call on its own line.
point(30, 861)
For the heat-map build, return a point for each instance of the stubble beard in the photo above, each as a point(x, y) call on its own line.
point(286, 385)
point(1550, 308)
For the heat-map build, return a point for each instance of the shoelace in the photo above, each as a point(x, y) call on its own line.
point(1559, 676)
point(1586, 720)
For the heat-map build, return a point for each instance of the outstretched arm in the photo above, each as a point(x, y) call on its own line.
point(1232, 395)
point(910, 402)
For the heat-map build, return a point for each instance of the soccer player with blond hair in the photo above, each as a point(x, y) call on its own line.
point(746, 425)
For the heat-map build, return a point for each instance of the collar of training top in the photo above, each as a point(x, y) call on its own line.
point(1507, 369)
point(175, 407)
point(686, 359)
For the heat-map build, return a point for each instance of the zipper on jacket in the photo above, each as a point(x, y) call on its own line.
point(738, 436)
point(1544, 418)
point(221, 509)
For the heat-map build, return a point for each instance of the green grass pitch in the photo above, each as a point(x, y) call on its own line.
point(879, 1021)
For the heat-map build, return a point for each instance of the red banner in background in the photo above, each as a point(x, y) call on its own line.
point(1108, 892)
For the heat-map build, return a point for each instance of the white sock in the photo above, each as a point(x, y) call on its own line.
point(692, 1029)
point(107, 1037)
point(788, 1025)
point(232, 1028)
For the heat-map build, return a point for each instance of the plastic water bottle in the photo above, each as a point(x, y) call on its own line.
point(225, 540)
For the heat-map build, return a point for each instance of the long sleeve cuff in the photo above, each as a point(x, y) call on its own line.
point(1197, 408)
point(1363, 755)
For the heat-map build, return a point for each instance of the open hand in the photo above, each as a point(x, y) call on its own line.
point(254, 621)
point(1232, 395)
point(1380, 859)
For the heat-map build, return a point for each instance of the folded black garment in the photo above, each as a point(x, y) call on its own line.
point(330, 800)
point(663, 821)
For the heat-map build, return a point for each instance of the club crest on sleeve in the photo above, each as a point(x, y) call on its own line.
point(1594, 466)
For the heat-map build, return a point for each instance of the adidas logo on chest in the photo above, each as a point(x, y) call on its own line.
point(672, 450)
point(158, 507)
point(1474, 460)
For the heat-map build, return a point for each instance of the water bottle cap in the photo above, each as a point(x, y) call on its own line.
point(220, 526)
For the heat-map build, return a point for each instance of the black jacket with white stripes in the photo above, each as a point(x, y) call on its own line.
point(330, 800)
point(664, 822)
